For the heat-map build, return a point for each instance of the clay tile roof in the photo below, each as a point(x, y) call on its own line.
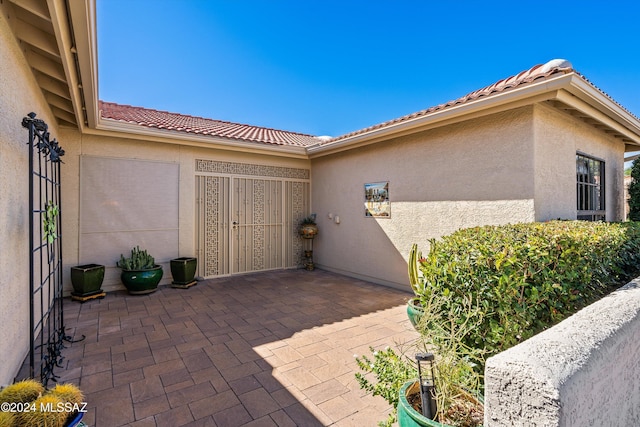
point(200, 126)
point(541, 71)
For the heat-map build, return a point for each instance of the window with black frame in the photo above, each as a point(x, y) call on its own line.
point(590, 188)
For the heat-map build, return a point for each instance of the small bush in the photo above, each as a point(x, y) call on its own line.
point(384, 375)
point(457, 384)
point(525, 278)
point(634, 191)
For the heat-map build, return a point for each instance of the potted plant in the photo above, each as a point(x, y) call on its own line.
point(87, 281)
point(140, 274)
point(183, 271)
point(308, 228)
point(455, 382)
point(414, 307)
point(467, 411)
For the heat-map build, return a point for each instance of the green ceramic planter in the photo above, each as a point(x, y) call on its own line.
point(414, 312)
point(183, 270)
point(409, 417)
point(87, 279)
point(139, 282)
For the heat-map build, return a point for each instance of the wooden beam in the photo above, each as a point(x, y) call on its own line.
point(46, 66)
point(63, 115)
point(53, 86)
point(36, 7)
point(37, 38)
point(59, 102)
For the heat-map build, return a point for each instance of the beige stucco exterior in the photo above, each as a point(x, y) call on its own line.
point(508, 167)
point(462, 175)
point(19, 95)
point(115, 146)
point(558, 137)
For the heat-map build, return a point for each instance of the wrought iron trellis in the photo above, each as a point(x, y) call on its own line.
point(45, 245)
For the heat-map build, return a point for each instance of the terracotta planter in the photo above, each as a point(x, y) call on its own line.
point(139, 282)
point(87, 279)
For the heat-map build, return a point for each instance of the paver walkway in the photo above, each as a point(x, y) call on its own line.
point(264, 349)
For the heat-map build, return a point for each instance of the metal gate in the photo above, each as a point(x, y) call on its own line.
point(247, 223)
point(47, 331)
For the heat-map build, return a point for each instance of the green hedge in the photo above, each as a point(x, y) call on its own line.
point(526, 277)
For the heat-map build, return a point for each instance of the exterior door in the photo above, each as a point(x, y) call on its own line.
point(256, 225)
point(247, 223)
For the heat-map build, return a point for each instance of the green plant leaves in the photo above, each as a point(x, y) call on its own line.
point(139, 260)
point(49, 229)
point(384, 375)
point(526, 277)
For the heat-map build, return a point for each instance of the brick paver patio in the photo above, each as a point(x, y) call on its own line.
point(264, 349)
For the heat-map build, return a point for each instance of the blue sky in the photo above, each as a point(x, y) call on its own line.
point(334, 66)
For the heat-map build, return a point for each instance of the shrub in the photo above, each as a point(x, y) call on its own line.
point(634, 191)
point(384, 376)
point(524, 278)
point(457, 384)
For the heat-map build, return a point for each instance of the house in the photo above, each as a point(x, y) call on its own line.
point(540, 145)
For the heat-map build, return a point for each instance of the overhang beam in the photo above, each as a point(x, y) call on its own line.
point(36, 37)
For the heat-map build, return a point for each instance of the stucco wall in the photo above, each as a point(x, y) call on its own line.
point(19, 95)
point(125, 148)
point(582, 372)
point(559, 136)
point(474, 173)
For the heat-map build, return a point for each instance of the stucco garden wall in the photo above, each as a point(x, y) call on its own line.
point(148, 151)
point(582, 372)
point(19, 95)
point(474, 173)
point(559, 136)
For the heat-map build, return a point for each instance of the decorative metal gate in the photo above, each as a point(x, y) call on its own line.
point(45, 245)
point(247, 217)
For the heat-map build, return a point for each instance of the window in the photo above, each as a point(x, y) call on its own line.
point(590, 186)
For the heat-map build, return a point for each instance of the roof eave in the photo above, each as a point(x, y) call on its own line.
point(114, 128)
point(83, 57)
point(590, 101)
point(544, 90)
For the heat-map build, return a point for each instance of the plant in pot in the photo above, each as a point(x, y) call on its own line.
point(140, 274)
point(308, 228)
point(456, 384)
point(183, 271)
point(414, 307)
